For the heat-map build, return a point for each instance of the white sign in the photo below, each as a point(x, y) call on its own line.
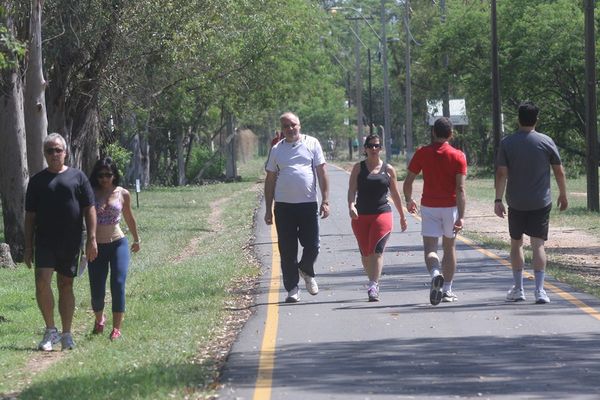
point(458, 111)
point(137, 185)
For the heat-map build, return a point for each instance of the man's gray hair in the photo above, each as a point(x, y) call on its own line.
point(55, 137)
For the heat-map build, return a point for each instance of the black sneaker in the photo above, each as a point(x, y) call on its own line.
point(435, 296)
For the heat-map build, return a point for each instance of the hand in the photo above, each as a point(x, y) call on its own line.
point(269, 217)
point(27, 257)
point(403, 223)
point(91, 250)
point(458, 225)
point(411, 206)
point(353, 212)
point(324, 210)
point(135, 247)
point(562, 203)
point(499, 209)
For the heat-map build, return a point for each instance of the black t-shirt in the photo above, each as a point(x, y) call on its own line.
point(58, 201)
point(372, 191)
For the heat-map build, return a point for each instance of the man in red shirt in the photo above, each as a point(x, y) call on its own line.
point(442, 205)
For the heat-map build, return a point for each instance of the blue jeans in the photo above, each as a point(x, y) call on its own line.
point(116, 256)
point(297, 222)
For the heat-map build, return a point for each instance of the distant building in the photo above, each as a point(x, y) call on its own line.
point(458, 111)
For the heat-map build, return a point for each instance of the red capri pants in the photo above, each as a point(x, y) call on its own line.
point(372, 232)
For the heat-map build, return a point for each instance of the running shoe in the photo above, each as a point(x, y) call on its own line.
point(515, 294)
point(373, 293)
point(99, 326)
point(51, 337)
point(311, 283)
point(435, 296)
point(449, 297)
point(293, 295)
point(115, 334)
point(67, 341)
point(541, 297)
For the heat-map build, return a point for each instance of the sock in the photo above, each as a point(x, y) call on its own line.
point(539, 279)
point(447, 287)
point(518, 277)
point(373, 283)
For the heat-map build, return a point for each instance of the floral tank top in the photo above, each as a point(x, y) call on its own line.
point(109, 213)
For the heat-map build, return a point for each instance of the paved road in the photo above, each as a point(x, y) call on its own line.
point(336, 345)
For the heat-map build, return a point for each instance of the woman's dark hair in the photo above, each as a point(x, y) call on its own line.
point(102, 164)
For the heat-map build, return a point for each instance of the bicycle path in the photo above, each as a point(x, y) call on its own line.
point(337, 345)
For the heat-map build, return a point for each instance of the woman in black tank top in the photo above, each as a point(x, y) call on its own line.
point(371, 182)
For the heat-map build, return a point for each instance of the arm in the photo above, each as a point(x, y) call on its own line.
point(561, 181)
point(407, 188)
point(269, 195)
point(461, 201)
point(352, 190)
point(501, 177)
point(91, 247)
point(324, 186)
point(29, 224)
point(395, 194)
point(130, 220)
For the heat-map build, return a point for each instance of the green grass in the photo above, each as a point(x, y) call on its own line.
point(172, 309)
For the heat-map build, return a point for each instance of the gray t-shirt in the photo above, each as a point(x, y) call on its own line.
point(528, 157)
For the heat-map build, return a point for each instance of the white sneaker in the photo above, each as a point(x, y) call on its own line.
point(67, 341)
point(51, 337)
point(515, 294)
point(311, 283)
point(293, 295)
point(541, 297)
point(449, 297)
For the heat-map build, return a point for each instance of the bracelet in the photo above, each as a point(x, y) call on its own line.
point(498, 201)
point(136, 242)
point(324, 203)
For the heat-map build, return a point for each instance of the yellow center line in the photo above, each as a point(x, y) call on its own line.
point(266, 363)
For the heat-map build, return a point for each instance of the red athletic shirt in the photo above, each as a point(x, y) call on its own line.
point(440, 164)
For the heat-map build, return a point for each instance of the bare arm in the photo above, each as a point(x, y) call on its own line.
point(29, 224)
point(269, 195)
point(130, 220)
point(352, 190)
point(91, 247)
point(407, 188)
point(395, 194)
point(501, 177)
point(461, 202)
point(561, 181)
point(324, 186)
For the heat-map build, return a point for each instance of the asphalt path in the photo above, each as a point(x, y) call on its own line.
point(337, 345)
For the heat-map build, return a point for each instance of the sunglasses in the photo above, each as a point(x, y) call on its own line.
point(373, 145)
point(286, 126)
point(53, 150)
point(105, 175)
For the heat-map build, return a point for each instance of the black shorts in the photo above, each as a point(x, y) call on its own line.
point(65, 262)
point(533, 223)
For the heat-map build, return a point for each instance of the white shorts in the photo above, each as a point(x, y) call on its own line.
point(438, 221)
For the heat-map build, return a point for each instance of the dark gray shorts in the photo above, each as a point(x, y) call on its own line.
point(533, 223)
point(63, 261)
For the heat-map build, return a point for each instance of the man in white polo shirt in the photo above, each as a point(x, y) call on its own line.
point(294, 166)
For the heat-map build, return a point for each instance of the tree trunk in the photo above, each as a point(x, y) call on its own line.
point(231, 167)
point(180, 159)
point(13, 157)
point(36, 121)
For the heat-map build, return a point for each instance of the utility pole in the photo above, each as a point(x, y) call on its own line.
point(446, 92)
point(591, 133)
point(358, 88)
point(387, 137)
point(408, 100)
point(496, 112)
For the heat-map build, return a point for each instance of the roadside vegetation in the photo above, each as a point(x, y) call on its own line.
point(178, 297)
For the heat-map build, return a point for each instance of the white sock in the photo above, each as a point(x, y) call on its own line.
point(518, 277)
point(447, 286)
point(539, 279)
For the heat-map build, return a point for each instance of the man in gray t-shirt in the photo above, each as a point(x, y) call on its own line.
point(523, 169)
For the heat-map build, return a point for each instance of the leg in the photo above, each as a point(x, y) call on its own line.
point(44, 295)
point(98, 272)
point(449, 258)
point(287, 241)
point(374, 266)
point(66, 301)
point(430, 248)
point(539, 254)
point(308, 234)
point(119, 265)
